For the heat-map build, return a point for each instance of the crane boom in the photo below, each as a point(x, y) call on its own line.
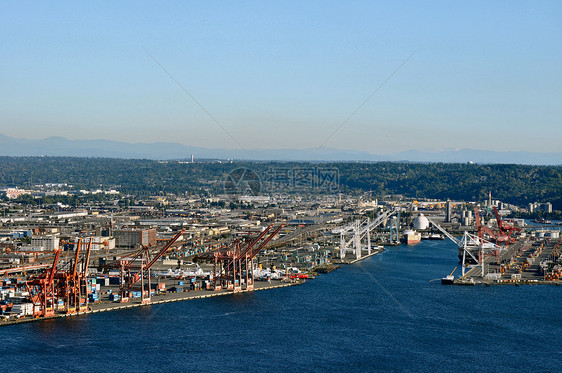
point(87, 259)
point(137, 276)
point(481, 228)
point(76, 258)
point(449, 235)
point(503, 227)
point(498, 219)
point(253, 243)
point(261, 246)
point(51, 276)
point(163, 251)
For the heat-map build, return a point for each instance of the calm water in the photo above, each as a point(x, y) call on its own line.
point(382, 314)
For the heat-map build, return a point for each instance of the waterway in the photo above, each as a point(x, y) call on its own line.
point(381, 314)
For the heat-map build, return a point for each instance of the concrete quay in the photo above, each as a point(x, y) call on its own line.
point(105, 306)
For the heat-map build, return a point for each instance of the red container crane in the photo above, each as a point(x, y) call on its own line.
point(130, 278)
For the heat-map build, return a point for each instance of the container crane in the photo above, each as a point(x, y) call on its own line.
point(73, 284)
point(482, 229)
point(502, 236)
point(504, 228)
point(235, 262)
point(129, 279)
point(69, 284)
point(243, 264)
point(472, 248)
point(42, 291)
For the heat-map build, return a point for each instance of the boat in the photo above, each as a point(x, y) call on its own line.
point(411, 237)
point(425, 236)
point(436, 236)
point(449, 280)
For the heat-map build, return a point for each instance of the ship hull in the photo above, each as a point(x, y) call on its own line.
point(412, 238)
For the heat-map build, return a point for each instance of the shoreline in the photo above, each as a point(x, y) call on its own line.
point(166, 298)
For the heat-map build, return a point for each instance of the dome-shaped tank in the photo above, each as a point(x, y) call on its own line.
point(421, 223)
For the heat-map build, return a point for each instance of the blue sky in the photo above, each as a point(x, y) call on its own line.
point(483, 75)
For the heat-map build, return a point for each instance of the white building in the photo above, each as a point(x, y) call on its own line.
point(12, 193)
point(103, 243)
point(547, 207)
point(47, 242)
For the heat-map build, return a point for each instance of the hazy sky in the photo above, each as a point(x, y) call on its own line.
point(286, 74)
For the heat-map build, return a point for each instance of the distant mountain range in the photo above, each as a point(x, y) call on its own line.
point(60, 146)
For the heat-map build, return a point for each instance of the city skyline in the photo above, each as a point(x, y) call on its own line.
point(296, 75)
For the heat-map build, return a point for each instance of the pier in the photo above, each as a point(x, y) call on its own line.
point(518, 264)
point(107, 305)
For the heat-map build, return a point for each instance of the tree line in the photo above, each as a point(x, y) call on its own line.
point(516, 184)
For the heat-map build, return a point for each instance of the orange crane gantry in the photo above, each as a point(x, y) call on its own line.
point(42, 291)
point(129, 279)
point(235, 262)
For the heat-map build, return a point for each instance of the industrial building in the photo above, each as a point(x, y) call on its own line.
point(134, 237)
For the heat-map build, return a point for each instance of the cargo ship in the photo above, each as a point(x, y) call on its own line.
point(411, 237)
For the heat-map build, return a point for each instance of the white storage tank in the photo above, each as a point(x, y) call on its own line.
point(554, 234)
point(421, 223)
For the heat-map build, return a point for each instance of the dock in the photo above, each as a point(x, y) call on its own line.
point(375, 251)
point(519, 264)
point(105, 306)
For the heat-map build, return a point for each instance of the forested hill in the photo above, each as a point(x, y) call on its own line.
point(517, 184)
